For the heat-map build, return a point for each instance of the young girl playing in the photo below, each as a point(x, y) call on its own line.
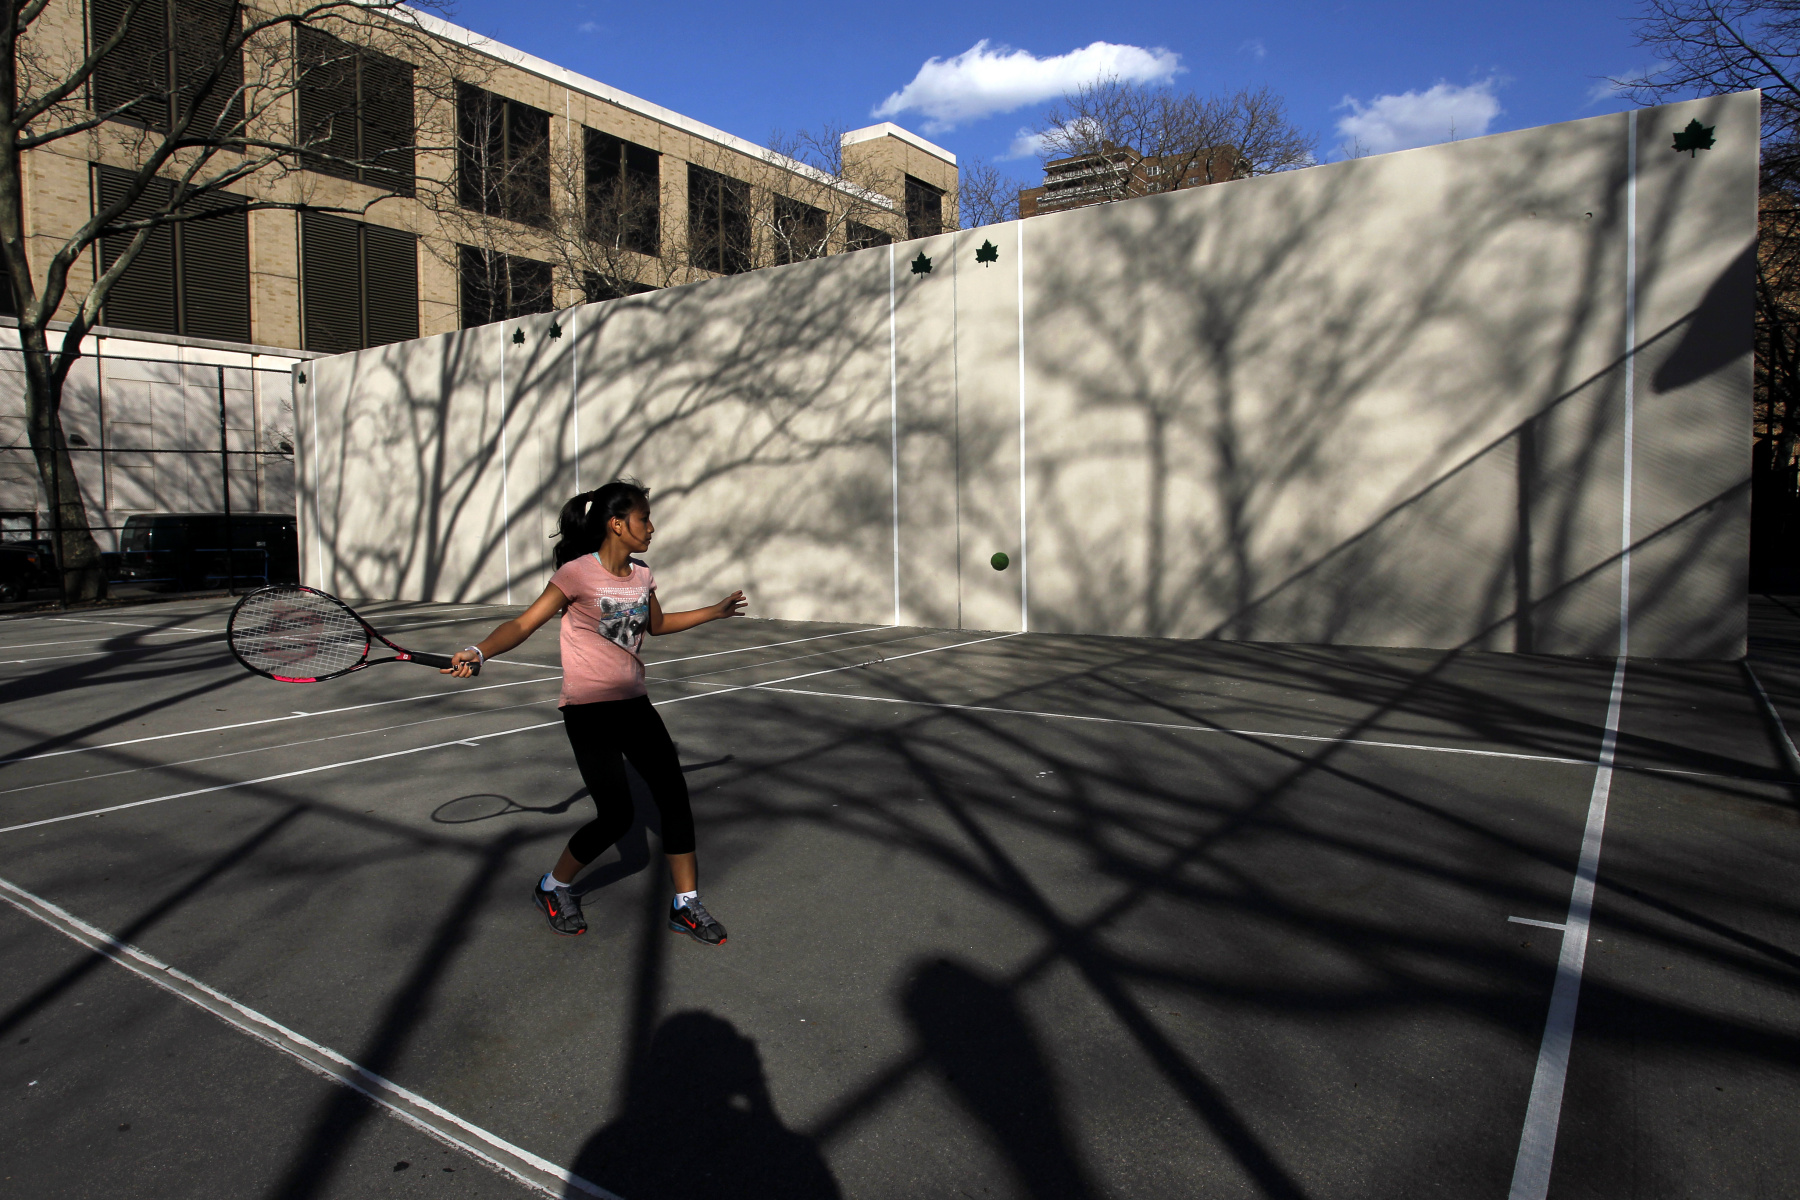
point(607, 600)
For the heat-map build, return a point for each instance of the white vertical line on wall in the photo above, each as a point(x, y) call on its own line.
point(312, 392)
point(505, 494)
point(956, 417)
point(1630, 382)
point(1537, 1141)
point(575, 391)
point(1024, 553)
point(894, 423)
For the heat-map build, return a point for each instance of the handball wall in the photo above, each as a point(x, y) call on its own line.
point(1493, 394)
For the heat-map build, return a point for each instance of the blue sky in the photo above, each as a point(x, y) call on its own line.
point(1386, 75)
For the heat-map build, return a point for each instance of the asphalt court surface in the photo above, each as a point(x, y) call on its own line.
point(1011, 916)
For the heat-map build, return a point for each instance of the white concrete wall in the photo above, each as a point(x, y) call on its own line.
point(1376, 402)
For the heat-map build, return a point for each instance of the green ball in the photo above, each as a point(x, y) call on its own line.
point(1000, 561)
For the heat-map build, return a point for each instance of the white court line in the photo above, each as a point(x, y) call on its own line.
point(133, 625)
point(355, 762)
point(1539, 924)
point(1787, 743)
point(1537, 1141)
point(216, 632)
point(1253, 733)
point(225, 787)
point(415, 1110)
point(8, 662)
point(333, 737)
point(105, 637)
point(741, 687)
point(323, 712)
point(770, 646)
point(699, 675)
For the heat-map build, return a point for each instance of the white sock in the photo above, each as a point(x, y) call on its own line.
point(682, 898)
point(549, 883)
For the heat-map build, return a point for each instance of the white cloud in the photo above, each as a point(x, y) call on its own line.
point(1025, 144)
point(982, 81)
point(588, 27)
point(1029, 144)
point(1255, 49)
point(1410, 119)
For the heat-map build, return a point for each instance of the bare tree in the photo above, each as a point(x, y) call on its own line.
point(1146, 139)
point(188, 108)
point(1710, 47)
point(984, 196)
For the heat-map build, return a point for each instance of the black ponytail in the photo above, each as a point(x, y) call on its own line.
point(582, 525)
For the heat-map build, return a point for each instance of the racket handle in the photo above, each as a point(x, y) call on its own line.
point(440, 661)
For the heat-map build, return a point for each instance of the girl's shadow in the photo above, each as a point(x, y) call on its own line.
point(633, 848)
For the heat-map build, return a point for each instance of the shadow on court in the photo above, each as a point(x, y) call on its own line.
point(699, 1123)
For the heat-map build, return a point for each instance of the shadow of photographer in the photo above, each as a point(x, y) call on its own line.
point(699, 1125)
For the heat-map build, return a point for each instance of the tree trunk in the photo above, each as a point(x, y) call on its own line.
point(77, 554)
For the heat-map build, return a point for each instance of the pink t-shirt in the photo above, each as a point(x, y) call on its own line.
point(602, 629)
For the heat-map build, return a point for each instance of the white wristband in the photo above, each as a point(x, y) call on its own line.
point(479, 656)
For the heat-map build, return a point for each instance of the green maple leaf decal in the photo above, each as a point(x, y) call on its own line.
point(518, 337)
point(921, 265)
point(987, 252)
point(555, 330)
point(1695, 137)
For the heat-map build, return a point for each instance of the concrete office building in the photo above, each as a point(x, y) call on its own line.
point(443, 244)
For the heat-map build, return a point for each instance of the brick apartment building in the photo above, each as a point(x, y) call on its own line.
point(1118, 173)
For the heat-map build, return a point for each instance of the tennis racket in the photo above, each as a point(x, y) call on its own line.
point(295, 634)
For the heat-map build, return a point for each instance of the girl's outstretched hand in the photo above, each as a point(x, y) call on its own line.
point(730, 606)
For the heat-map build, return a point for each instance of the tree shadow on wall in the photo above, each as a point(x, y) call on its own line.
point(699, 1125)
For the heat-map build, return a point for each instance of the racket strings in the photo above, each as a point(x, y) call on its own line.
point(297, 634)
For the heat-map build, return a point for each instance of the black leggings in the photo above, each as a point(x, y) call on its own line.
point(604, 735)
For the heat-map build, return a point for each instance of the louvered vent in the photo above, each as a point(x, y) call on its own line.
point(391, 259)
point(331, 270)
point(134, 75)
point(144, 296)
point(214, 252)
point(211, 81)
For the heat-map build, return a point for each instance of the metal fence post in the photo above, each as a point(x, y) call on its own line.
point(56, 546)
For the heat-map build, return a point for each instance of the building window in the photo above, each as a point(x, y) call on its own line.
point(502, 156)
point(718, 221)
point(499, 287)
point(800, 231)
point(192, 277)
point(182, 41)
point(359, 284)
point(858, 236)
point(624, 193)
point(356, 109)
point(924, 209)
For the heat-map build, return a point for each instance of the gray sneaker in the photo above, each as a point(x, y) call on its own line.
point(692, 919)
point(561, 908)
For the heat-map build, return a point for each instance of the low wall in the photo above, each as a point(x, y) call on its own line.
point(1378, 402)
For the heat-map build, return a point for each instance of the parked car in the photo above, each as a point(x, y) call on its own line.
point(183, 552)
point(26, 566)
